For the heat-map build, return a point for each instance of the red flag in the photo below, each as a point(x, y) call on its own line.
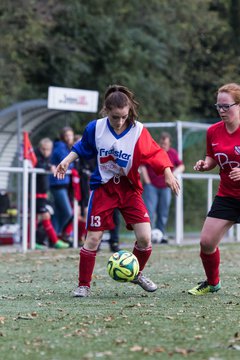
point(28, 152)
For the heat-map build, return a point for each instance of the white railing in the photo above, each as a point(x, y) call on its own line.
point(32, 172)
point(179, 229)
point(27, 171)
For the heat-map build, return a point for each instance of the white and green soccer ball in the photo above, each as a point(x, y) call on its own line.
point(123, 266)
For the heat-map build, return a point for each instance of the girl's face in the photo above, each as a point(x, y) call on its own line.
point(69, 137)
point(118, 118)
point(228, 110)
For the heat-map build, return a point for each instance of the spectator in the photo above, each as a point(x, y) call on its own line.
point(157, 195)
point(63, 213)
point(43, 154)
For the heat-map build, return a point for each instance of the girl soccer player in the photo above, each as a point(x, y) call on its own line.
point(120, 144)
point(223, 149)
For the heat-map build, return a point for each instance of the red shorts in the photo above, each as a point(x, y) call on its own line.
point(109, 196)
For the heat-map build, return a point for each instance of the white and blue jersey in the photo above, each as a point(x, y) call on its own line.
point(120, 155)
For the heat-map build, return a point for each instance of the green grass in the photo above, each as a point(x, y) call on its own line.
point(39, 319)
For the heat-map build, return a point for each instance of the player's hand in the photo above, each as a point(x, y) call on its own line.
point(61, 170)
point(174, 185)
point(235, 174)
point(201, 165)
point(172, 182)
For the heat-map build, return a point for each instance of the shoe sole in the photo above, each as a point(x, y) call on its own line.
point(210, 292)
point(148, 290)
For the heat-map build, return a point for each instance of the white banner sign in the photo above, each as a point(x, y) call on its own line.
point(72, 99)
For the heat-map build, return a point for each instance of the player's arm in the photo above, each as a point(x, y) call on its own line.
point(205, 165)
point(144, 175)
point(64, 164)
point(171, 181)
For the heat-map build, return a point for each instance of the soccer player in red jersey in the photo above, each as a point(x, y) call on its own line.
point(120, 145)
point(223, 149)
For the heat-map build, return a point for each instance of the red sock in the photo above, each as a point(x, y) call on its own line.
point(81, 229)
point(86, 266)
point(211, 264)
point(51, 233)
point(142, 255)
point(68, 229)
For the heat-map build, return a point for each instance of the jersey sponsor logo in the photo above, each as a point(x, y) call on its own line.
point(119, 157)
point(214, 144)
point(237, 149)
point(225, 163)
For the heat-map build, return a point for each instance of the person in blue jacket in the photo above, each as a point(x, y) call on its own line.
point(63, 211)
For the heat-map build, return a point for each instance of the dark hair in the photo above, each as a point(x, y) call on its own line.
point(118, 96)
point(64, 130)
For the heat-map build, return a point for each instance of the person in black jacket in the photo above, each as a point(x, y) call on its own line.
point(43, 210)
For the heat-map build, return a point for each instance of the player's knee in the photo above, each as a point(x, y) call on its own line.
point(144, 241)
point(206, 244)
point(92, 241)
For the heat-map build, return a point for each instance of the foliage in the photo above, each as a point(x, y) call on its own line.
point(172, 53)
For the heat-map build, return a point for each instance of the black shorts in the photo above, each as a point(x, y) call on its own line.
point(43, 205)
point(226, 208)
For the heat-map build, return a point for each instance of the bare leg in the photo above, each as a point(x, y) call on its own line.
point(93, 240)
point(143, 234)
point(212, 232)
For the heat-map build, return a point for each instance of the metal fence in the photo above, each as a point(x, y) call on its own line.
point(28, 218)
point(29, 208)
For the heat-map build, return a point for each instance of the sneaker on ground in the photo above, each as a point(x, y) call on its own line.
point(114, 247)
point(81, 291)
point(61, 245)
point(145, 283)
point(40, 247)
point(204, 288)
point(164, 240)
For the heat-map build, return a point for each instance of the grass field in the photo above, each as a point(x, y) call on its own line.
point(39, 319)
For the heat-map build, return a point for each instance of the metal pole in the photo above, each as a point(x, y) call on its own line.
point(25, 207)
point(237, 232)
point(179, 139)
point(19, 154)
point(209, 193)
point(33, 211)
point(75, 224)
point(179, 212)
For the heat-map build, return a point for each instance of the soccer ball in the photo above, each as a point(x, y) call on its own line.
point(156, 236)
point(123, 266)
